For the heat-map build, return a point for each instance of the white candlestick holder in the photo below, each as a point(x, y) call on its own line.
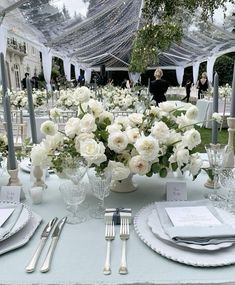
point(15, 181)
point(231, 129)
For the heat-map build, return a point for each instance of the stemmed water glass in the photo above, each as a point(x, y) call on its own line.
point(73, 195)
point(100, 186)
point(217, 156)
point(227, 180)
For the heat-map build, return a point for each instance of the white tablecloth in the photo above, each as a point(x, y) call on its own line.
point(205, 111)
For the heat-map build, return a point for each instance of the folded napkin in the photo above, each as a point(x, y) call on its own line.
point(11, 221)
point(202, 235)
point(117, 213)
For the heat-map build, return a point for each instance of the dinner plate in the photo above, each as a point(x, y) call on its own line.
point(22, 220)
point(21, 237)
point(25, 165)
point(156, 227)
point(197, 258)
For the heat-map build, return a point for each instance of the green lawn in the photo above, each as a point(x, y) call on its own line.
point(206, 138)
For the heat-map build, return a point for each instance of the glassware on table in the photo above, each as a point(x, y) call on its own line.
point(75, 170)
point(100, 186)
point(217, 156)
point(227, 180)
point(73, 195)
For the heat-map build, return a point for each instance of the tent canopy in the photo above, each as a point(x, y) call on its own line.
point(96, 32)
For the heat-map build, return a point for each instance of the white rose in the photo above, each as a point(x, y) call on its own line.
point(147, 147)
point(184, 122)
point(55, 112)
point(92, 151)
point(82, 137)
point(106, 115)
point(217, 117)
point(133, 134)
point(52, 142)
point(136, 118)
point(87, 124)
point(49, 128)
point(195, 165)
point(39, 156)
point(192, 113)
point(96, 107)
point(113, 128)
point(72, 127)
point(182, 157)
point(122, 120)
point(117, 141)
point(191, 138)
point(166, 107)
point(119, 170)
point(138, 165)
point(160, 131)
point(82, 94)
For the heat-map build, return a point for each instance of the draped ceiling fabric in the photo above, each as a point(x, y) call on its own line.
point(195, 72)
point(104, 34)
point(47, 66)
point(3, 40)
point(180, 74)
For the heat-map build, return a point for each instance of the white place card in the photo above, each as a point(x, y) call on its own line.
point(10, 193)
point(5, 214)
point(176, 191)
point(191, 216)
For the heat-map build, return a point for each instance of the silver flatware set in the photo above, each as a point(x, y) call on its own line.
point(44, 236)
point(110, 236)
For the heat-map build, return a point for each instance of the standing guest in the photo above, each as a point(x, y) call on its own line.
point(202, 85)
point(158, 87)
point(34, 81)
point(23, 81)
point(188, 90)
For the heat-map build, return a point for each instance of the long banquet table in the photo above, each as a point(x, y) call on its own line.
point(80, 253)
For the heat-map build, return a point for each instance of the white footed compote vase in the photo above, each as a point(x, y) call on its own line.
point(100, 183)
point(217, 155)
point(124, 186)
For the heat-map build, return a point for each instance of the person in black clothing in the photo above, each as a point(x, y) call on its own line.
point(23, 81)
point(34, 81)
point(188, 90)
point(158, 87)
point(202, 85)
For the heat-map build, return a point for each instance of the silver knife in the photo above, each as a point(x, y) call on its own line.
point(46, 232)
point(55, 236)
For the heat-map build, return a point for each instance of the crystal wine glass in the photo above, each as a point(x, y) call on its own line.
point(100, 186)
point(217, 156)
point(73, 195)
point(227, 180)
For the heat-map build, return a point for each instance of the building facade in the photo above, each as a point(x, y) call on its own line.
point(22, 56)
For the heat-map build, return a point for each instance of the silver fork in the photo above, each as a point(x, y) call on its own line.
point(109, 236)
point(124, 235)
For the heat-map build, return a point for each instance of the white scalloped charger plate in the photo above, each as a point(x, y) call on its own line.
point(22, 237)
point(22, 220)
point(156, 227)
point(222, 257)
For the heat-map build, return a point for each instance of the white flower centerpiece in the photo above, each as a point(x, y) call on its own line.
point(160, 140)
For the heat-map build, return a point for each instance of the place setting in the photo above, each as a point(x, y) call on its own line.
point(190, 232)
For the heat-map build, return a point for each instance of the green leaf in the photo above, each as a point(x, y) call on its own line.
point(155, 167)
point(163, 172)
point(174, 166)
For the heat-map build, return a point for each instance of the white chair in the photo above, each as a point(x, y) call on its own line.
point(121, 113)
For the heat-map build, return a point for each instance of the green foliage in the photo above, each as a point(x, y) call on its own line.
point(163, 25)
point(224, 67)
